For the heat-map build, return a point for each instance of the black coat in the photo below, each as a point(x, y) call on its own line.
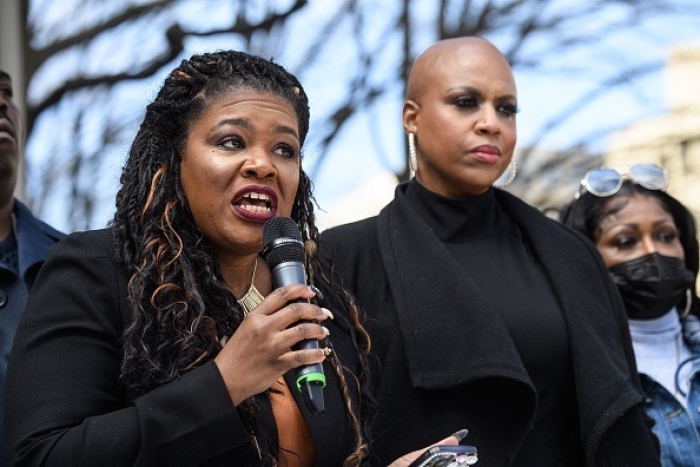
point(448, 361)
point(66, 406)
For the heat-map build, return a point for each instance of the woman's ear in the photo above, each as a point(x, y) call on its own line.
point(410, 116)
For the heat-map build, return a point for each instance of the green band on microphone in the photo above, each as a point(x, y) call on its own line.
point(311, 378)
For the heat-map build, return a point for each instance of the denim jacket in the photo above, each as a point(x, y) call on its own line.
point(678, 428)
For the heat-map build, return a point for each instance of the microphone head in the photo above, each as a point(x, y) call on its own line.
point(282, 242)
point(279, 227)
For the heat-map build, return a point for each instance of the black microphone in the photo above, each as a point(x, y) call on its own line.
point(284, 254)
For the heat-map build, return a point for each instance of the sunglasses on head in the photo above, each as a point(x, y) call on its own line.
point(607, 182)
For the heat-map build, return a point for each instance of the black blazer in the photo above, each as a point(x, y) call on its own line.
point(66, 407)
point(448, 362)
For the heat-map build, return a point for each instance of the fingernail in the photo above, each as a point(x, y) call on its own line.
point(315, 290)
point(326, 351)
point(460, 434)
point(328, 313)
point(325, 329)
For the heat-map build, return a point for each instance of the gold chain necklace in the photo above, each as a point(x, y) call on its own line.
point(252, 297)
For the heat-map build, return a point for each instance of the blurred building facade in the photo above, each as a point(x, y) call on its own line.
point(671, 140)
point(364, 201)
point(549, 179)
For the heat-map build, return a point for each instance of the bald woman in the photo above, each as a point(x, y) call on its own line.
point(484, 313)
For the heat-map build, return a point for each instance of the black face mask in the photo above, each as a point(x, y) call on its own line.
point(652, 284)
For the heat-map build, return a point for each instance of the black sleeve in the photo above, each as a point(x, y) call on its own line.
point(64, 403)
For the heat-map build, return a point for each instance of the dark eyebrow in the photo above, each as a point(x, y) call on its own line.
point(662, 222)
point(476, 92)
point(242, 122)
point(465, 88)
point(286, 130)
point(234, 121)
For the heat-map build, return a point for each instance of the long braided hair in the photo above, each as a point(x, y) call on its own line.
point(180, 308)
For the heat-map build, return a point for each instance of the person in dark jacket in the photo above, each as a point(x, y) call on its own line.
point(484, 313)
point(648, 240)
point(24, 239)
point(160, 340)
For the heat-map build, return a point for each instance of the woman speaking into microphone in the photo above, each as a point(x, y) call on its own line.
point(160, 340)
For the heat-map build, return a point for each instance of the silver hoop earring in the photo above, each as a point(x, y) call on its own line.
point(508, 176)
point(412, 160)
point(688, 303)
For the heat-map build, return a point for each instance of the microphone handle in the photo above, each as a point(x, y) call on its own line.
point(310, 379)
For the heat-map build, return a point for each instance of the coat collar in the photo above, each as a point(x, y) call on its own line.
point(461, 339)
point(443, 317)
point(34, 239)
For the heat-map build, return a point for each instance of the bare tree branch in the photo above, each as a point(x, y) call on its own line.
point(625, 76)
point(533, 34)
point(42, 54)
point(175, 36)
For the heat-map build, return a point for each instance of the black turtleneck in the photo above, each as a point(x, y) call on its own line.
point(493, 253)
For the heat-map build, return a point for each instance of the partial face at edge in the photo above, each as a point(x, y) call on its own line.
point(461, 106)
point(10, 130)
